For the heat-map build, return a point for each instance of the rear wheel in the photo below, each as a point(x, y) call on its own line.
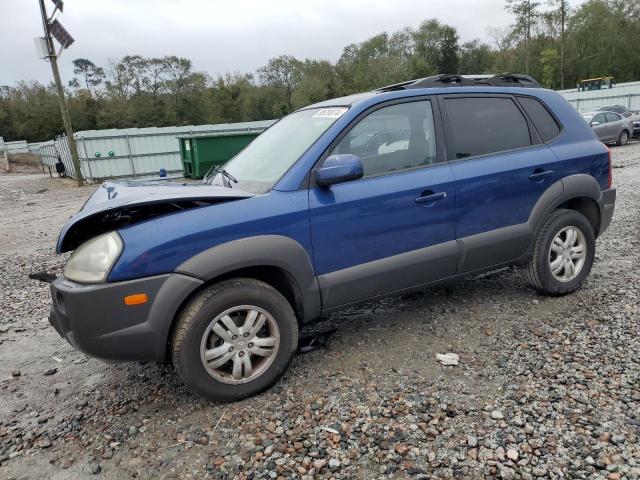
point(563, 253)
point(234, 340)
point(623, 138)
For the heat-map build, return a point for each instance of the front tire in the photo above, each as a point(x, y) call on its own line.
point(234, 339)
point(563, 253)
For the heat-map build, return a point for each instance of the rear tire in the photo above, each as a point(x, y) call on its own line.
point(234, 339)
point(563, 253)
point(623, 138)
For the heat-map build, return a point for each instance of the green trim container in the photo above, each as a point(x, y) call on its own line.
point(201, 152)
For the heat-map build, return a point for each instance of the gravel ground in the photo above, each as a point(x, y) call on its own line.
point(545, 387)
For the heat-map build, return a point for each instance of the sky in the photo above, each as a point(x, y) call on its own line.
point(222, 36)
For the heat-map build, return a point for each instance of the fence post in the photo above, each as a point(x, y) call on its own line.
point(578, 103)
point(133, 170)
point(86, 157)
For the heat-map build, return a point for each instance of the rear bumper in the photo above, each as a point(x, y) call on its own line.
point(95, 320)
point(607, 204)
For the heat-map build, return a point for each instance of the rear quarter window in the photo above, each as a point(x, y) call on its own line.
point(483, 125)
point(545, 123)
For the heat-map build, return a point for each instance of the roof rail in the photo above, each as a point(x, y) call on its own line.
point(453, 80)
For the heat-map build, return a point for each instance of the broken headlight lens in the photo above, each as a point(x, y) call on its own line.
point(91, 262)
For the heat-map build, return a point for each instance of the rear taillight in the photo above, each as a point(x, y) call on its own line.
point(610, 176)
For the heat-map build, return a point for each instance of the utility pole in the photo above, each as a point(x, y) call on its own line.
point(563, 19)
point(66, 119)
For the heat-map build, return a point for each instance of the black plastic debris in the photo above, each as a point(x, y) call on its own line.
point(43, 276)
point(314, 340)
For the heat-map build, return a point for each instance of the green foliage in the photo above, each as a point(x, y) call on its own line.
point(284, 73)
point(476, 57)
point(551, 41)
point(549, 61)
point(436, 49)
point(370, 64)
point(89, 76)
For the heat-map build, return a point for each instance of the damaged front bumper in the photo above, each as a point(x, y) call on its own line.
point(95, 320)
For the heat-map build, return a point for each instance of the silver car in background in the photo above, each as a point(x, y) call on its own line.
point(635, 121)
point(610, 127)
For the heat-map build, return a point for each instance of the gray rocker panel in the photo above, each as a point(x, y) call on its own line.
point(388, 274)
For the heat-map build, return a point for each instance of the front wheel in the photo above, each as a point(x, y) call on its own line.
point(563, 253)
point(234, 339)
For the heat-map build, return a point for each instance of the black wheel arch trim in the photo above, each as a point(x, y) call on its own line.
point(277, 251)
point(568, 188)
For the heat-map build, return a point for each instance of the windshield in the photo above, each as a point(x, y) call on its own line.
point(265, 160)
point(587, 118)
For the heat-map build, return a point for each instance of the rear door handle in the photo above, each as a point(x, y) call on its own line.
point(540, 175)
point(430, 197)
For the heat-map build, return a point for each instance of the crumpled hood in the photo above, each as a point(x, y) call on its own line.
point(119, 204)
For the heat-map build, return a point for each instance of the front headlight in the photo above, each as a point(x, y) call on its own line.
point(91, 262)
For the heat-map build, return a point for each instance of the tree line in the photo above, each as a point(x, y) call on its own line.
point(556, 44)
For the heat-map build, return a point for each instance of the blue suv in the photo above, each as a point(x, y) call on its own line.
point(338, 203)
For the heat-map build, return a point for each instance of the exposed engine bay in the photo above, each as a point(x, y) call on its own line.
point(121, 217)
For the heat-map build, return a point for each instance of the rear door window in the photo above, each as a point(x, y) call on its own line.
point(542, 119)
point(482, 125)
point(612, 117)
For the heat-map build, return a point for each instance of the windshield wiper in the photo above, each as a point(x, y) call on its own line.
point(228, 176)
point(225, 175)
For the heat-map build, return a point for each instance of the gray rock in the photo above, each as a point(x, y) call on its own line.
point(617, 439)
point(107, 454)
point(539, 471)
point(507, 473)
point(518, 422)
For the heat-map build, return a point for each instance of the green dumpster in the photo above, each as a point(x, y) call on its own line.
point(200, 152)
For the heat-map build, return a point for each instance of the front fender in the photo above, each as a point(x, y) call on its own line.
point(260, 251)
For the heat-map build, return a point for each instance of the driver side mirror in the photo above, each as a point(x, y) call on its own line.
point(339, 169)
point(594, 124)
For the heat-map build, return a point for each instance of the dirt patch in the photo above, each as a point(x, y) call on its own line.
point(24, 163)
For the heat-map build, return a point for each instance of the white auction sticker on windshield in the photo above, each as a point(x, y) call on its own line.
point(330, 113)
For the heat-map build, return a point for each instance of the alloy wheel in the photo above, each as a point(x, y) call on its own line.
point(240, 344)
point(624, 138)
point(567, 254)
